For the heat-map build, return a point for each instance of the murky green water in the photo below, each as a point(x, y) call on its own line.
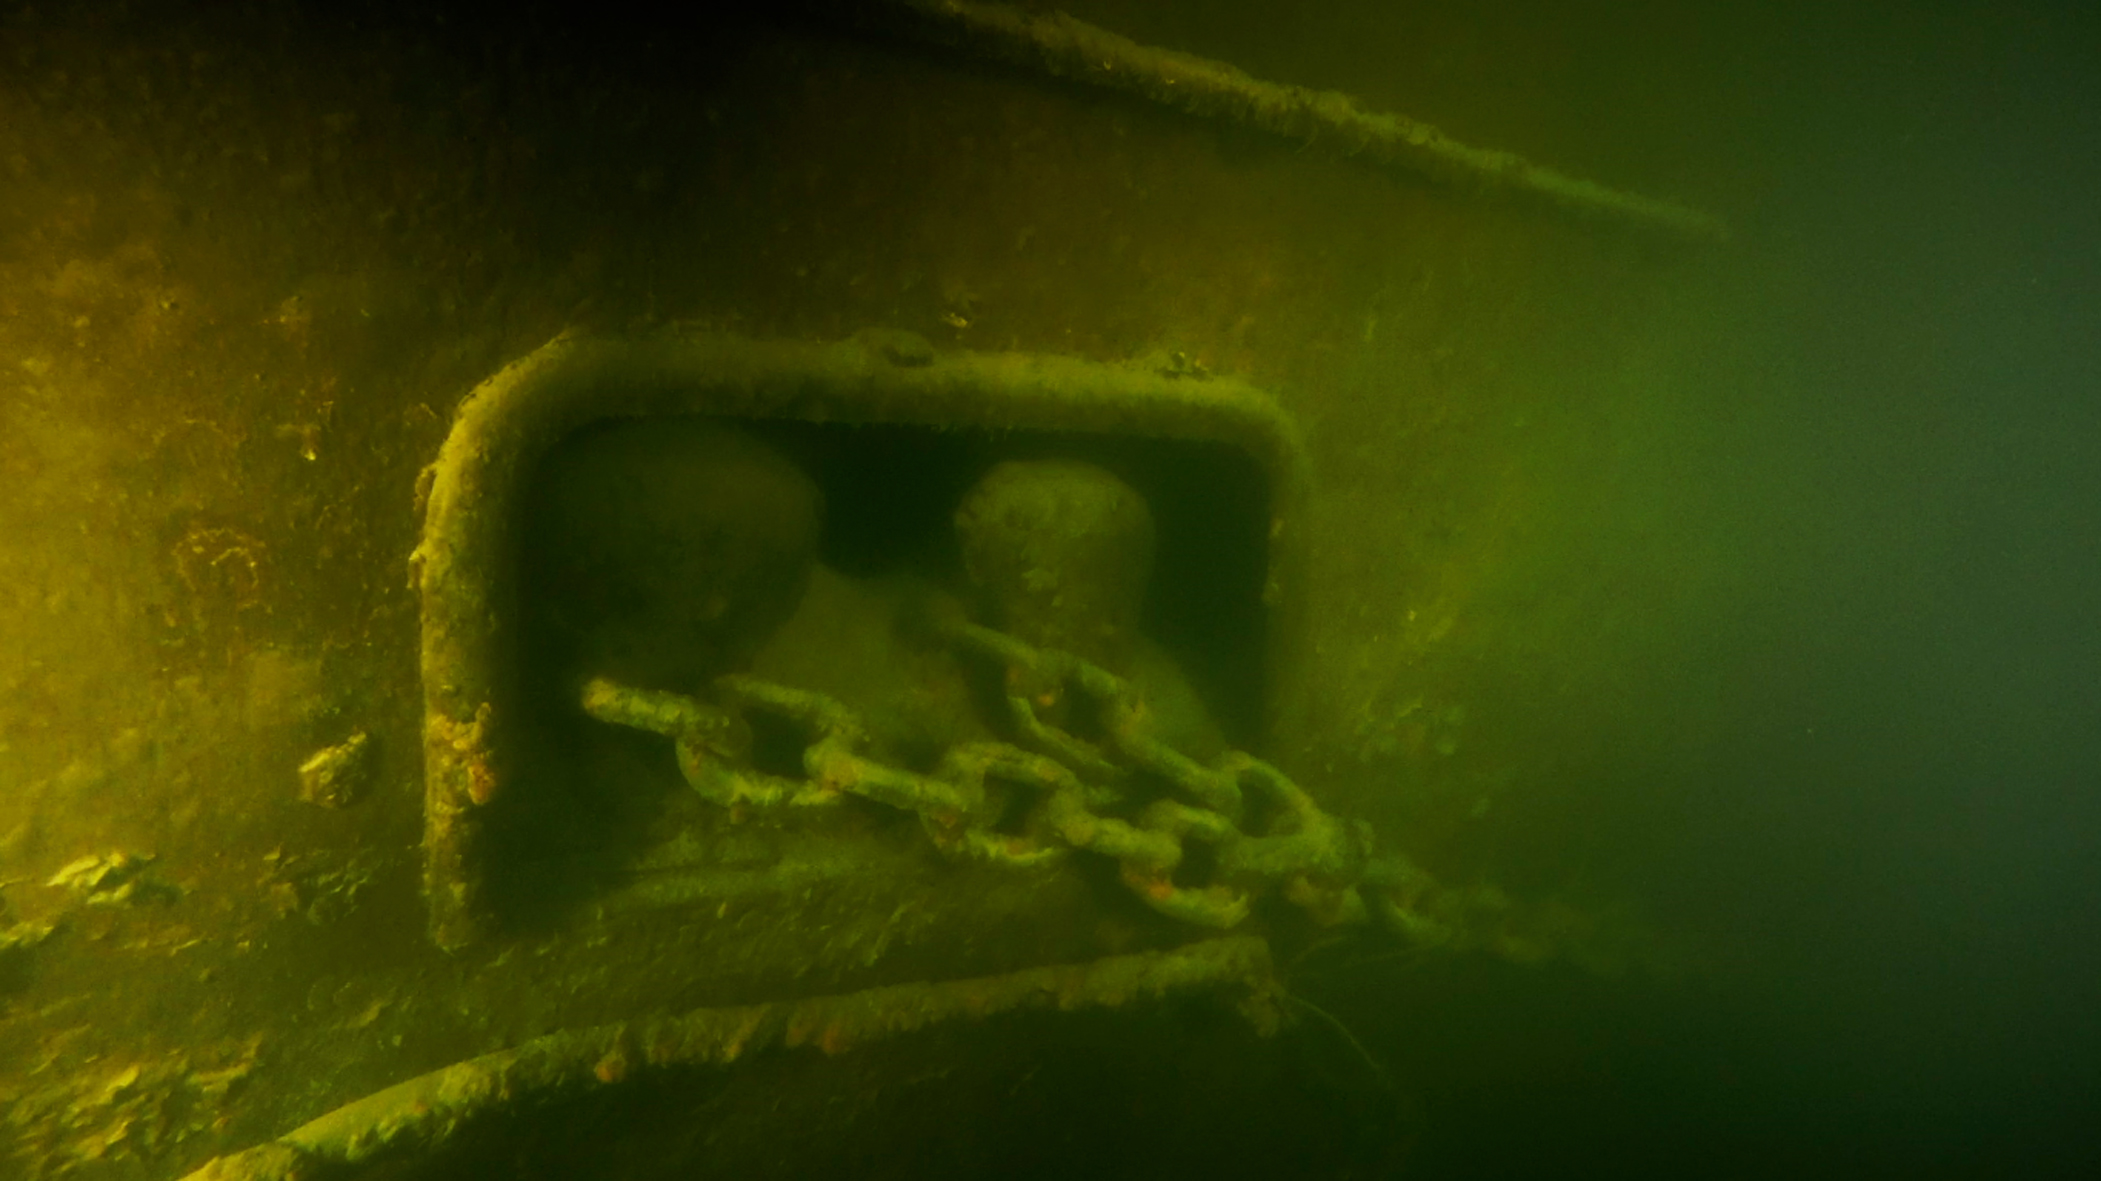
point(1713, 624)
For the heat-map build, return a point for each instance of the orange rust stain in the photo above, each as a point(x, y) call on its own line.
point(469, 742)
point(481, 782)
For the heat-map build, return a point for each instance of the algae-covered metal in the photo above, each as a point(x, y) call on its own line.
point(464, 565)
point(763, 678)
point(422, 1114)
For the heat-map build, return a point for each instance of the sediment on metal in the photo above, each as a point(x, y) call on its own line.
point(423, 1113)
point(1057, 45)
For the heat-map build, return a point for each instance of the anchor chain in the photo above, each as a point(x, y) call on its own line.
point(1118, 793)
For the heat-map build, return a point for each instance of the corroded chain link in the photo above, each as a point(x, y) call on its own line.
point(1101, 795)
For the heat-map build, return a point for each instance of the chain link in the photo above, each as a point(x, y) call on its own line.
point(1183, 851)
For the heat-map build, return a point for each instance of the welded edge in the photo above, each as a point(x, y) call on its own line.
point(423, 1113)
point(1060, 46)
point(502, 429)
